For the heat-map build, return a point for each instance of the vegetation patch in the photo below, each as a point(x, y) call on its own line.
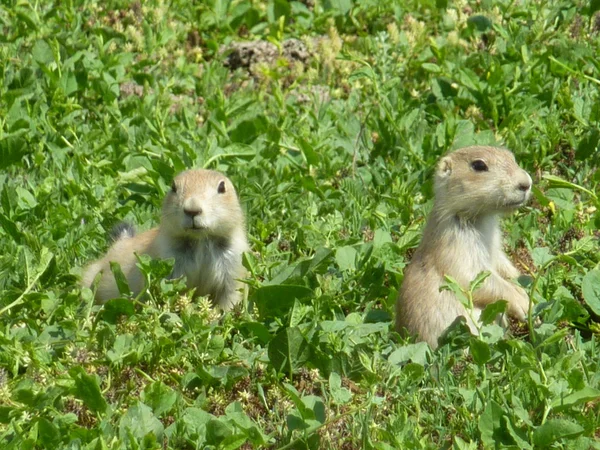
point(330, 142)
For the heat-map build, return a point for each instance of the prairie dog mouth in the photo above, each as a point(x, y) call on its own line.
point(197, 228)
point(515, 204)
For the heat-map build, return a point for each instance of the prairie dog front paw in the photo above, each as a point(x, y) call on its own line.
point(518, 305)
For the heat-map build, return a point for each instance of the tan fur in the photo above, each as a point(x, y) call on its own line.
point(461, 239)
point(201, 228)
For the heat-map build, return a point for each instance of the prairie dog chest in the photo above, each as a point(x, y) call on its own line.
point(473, 247)
point(206, 264)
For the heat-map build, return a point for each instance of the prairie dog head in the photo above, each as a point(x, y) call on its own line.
point(479, 180)
point(201, 203)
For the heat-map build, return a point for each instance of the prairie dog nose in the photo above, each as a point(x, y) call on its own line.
point(192, 207)
point(525, 183)
point(192, 212)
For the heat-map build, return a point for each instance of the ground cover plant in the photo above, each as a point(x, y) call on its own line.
point(328, 123)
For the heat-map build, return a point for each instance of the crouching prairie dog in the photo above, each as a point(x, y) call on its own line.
point(474, 187)
point(202, 228)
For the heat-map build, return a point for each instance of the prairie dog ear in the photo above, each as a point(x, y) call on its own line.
point(444, 167)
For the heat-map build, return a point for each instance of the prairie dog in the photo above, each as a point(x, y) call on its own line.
point(202, 228)
point(474, 187)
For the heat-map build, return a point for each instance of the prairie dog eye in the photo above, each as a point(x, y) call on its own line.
point(221, 188)
point(479, 165)
point(174, 188)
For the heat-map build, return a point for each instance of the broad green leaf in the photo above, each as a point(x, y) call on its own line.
point(27, 16)
point(295, 421)
point(25, 396)
point(491, 333)
point(276, 300)
point(297, 314)
point(459, 444)
point(491, 426)
point(491, 311)
point(217, 430)
point(312, 157)
point(5, 413)
point(215, 346)
point(315, 404)
point(121, 348)
point(588, 145)
point(518, 435)
point(288, 350)
point(11, 228)
point(363, 72)
point(590, 288)
point(555, 337)
point(480, 350)
point(346, 257)
point(341, 395)
point(233, 442)
point(257, 331)
point(453, 286)
point(479, 279)
point(49, 436)
point(555, 430)
point(13, 147)
point(416, 353)
point(17, 120)
point(433, 68)
point(277, 9)
point(86, 388)
point(480, 23)
point(26, 200)
point(381, 237)
point(294, 395)
point(221, 375)
point(465, 131)
point(159, 397)
point(140, 422)
point(587, 394)
point(42, 52)
point(340, 6)
point(120, 278)
point(541, 255)
point(68, 83)
point(414, 371)
point(563, 194)
point(117, 307)
point(235, 413)
point(193, 423)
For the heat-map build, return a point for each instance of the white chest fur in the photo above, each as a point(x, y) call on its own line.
point(208, 264)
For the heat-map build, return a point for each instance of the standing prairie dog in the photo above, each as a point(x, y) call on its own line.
point(202, 228)
point(474, 187)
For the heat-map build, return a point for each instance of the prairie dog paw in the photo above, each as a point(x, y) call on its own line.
point(518, 306)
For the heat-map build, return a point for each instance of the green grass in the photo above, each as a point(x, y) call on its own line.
point(101, 103)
